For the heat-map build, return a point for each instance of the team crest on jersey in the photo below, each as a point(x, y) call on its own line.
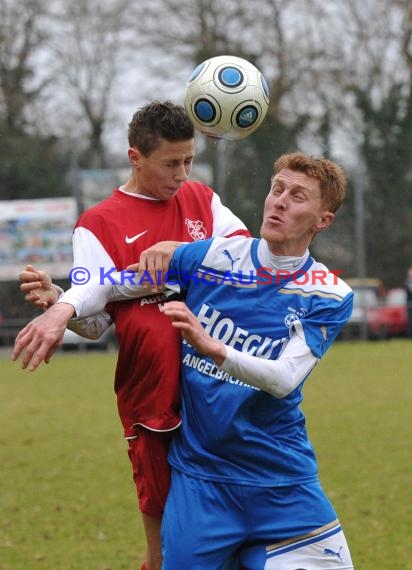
point(196, 229)
point(295, 314)
point(290, 319)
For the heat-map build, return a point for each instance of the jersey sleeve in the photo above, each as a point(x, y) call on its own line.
point(324, 322)
point(225, 222)
point(91, 298)
point(185, 262)
point(89, 253)
point(277, 377)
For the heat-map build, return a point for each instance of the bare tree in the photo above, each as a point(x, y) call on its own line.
point(22, 36)
point(374, 115)
point(90, 52)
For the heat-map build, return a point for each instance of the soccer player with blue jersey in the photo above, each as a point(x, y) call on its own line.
point(258, 316)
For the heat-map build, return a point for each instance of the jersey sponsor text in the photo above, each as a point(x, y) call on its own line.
point(224, 329)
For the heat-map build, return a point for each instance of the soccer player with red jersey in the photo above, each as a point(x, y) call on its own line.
point(157, 203)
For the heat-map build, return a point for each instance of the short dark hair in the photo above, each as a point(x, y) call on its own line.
point(159, 120)
point(331, 177)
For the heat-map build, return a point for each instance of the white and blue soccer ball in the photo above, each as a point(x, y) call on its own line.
point(227, 97)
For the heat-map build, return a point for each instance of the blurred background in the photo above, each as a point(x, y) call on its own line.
point(340, 75)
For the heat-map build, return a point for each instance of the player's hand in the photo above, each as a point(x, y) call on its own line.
point(192, 331)
point(42, 336)
point(38, 287)
point(154, 263)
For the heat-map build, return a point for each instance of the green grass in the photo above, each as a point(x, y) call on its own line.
point(358, 406)
point(67, 501)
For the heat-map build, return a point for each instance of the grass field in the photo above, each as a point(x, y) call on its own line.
point(66, 497)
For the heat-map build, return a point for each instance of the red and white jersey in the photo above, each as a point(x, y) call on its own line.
point(113, 234)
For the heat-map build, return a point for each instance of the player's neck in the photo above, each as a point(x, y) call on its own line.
point(131, 186)
point(269, 259)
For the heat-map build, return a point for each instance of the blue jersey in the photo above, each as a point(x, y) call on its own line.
point(231, 431)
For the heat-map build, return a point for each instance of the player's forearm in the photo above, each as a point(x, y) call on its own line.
point(92, 297)
point(90, 327)
point(61, 312)
point(277, 377)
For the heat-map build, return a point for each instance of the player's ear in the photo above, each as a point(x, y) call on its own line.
point(134, 156)
point(324, 221)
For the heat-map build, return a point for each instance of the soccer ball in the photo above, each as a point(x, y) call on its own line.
point(226, 97)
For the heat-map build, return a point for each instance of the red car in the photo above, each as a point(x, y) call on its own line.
point(389, 319)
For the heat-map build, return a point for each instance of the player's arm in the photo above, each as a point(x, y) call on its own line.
point(277, 377)
point(43, 293)
point(92, 297)
point(38, 340)
point(89, 259)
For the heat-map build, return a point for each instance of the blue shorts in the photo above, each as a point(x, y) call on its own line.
point(205, 523)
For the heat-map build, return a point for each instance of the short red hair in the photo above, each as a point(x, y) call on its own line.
point(331, 176)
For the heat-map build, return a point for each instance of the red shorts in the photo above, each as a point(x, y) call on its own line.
point(151, 471)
